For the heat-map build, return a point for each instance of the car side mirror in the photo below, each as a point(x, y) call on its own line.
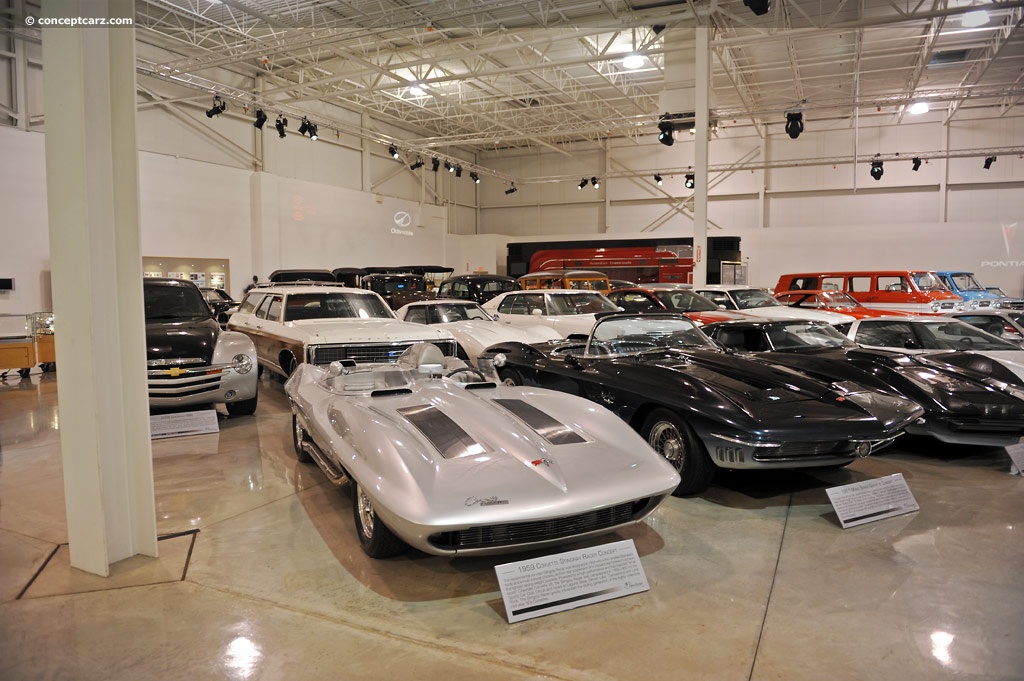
point(537, 312)
point(722, 307)
point(911, 344)
point(573, 361)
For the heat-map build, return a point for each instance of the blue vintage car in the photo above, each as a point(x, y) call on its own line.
point(967, 287)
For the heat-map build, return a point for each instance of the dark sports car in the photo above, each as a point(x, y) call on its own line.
point(701, 406)
point(963, 403)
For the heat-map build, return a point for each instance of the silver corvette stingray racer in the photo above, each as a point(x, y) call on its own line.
point(444, 458)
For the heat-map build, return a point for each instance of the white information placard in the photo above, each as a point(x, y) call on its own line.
point(563, 581)
point(1016, 453)
point(183, 423)
point(871, 500)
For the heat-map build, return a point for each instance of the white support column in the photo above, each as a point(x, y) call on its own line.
point(20, 73)
point(93, 203)
point(700, 166)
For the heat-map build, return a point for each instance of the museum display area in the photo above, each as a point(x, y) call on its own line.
point(777, 505)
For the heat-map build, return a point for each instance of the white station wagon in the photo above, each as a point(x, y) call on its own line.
point(320, 323)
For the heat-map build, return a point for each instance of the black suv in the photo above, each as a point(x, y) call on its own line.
point(476, 287)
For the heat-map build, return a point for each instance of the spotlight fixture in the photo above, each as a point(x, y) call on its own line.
point(449, 167)
point(393, 150)
point(689, 183)
point(582, 184)
point(657, 178)
point(312, 132)
point(918, 108)
point(634, 61)
point(595, 183)
point(304, 128)
point(417, 164)
point(917, 164)
point(511, 190)
point(261, 118)
point(989, 160)
point(473, 176)
point(758, 7)
point(876, 170)
point(794, 124)
point(281, 124)
point(435, 164)
point(219, 107)
point(458, 171)
point(667, 133)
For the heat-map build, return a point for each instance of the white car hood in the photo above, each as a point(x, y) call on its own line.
point(782, 312)
point(366, 330)
point(489, 333)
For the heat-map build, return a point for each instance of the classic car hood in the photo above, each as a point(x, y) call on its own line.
point(1001, 365)
point(783, 312)
point(173, 340)
point(366, 330)
point(769, 394)
point(488, 333)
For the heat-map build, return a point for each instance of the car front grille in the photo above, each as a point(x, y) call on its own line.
point(183, 386)
point(799, 451)
point(370, 352)
point(491, 536)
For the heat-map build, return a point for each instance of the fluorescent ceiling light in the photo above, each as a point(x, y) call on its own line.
point(634, 61)
point(974, 18)
point(919, 108)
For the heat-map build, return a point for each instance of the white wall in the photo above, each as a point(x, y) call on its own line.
point(24, 230)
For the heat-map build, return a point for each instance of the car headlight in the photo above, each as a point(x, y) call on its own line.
point(242, 363)
point(960, 306)
point(936, 306)
point(500, 359)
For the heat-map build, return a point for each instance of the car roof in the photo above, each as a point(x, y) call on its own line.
point(480, 277)
point(566, 273)
point(287, 288)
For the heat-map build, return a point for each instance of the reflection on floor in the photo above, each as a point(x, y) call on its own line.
point(261, 576)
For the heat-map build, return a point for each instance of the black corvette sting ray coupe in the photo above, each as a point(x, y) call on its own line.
point(967, 398)
point(701, 406)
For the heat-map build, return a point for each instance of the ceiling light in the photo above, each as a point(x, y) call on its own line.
point(416, 165)
point(281, 124)
point(657, 178)
point(476, 178)
point(974, 18)
point(312, 132)
point(304, 128)
point(219, 106)
point(511, 190)
point(758, 7)
point(917, 164)
point(261, 118)
point(794, 124)
point(417, 91)
point(876, 170)
point(689, 183)
point(449, 167)
point(582, 184)
point(595, 183)
point(634, 61)
point(435, 164)
point(919, 108)
point(989, 160)
point(393, 150)
point(667, 133)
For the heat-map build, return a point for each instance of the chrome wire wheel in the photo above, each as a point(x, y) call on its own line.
point(665, 438)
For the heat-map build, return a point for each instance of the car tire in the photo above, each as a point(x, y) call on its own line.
point(288, 364)
point(674, 439)
point(376, 539)
point(242, 407)
point(510, 377)
point(298, 437)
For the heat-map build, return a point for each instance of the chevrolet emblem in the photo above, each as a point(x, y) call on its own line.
point(175, 371)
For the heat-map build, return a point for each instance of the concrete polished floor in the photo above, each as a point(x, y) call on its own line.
point(261, 576)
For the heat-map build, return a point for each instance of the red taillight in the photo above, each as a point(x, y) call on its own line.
point(1007, 328)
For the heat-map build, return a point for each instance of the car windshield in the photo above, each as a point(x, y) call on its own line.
point(334, 305)
point(450, 312)
point(579, 303)
point(796, 336)
point(965, 281)
point(165, 303)
point(215, 295)
point(685, 301)
point(927, 281)
point(929, 335)
point(750, 298)
point(620, 335)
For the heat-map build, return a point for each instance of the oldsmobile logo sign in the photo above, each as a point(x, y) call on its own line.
point(402, 222)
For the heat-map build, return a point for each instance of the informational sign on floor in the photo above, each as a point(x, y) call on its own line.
point(183, 423)
point(1016, 453)
point(871, 500)
point(562, 581)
